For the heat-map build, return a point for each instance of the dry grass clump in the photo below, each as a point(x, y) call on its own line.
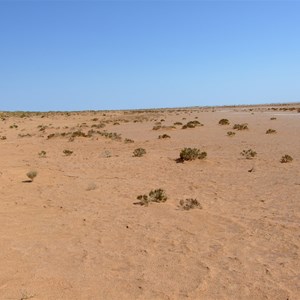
point(270, 131)
point(286, 159)
point(248, 154)
point(42, 154)
point(189, 203)
point(230, 133)
point(224, 122)
point(139, 152)
point(164, 136)
point(31, 175)
point(156, 127)
point(128, 141)
point(178, 123)
point(67, 152)
point(158, 195)
point(273, 118)
point(2, 137)
point(192, 124)
point(191, 154)
point(243, 126)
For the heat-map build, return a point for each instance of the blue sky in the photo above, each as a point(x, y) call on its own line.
point(79, 55)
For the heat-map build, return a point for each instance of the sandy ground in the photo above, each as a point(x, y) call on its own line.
point(75, 233)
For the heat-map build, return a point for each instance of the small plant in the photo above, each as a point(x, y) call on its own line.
point(248, 154)
point(273, 118)
point(189, 203)
point(230, 133)
point(191, 154)
point(177, 123)
point(67, 152)
point(270, 131)
point(42, 153)
point(139, 152)
point(128, 141)
point(157, 195)
point(156, 127)
point(286, 159)
point(31, 175)
point(3, 137)
point(243, 126)
point(224, 122)
point(164, 136)
point(192, 124)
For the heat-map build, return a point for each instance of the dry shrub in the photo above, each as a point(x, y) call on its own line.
point(286, 159)
point(189, 203)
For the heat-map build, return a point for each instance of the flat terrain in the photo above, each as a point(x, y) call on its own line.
point(76, 231)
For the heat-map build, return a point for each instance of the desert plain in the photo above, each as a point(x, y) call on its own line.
point(78, 231)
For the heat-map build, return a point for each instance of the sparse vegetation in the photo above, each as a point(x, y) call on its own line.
point(273, 118)
point(42, 153)
point(178, 123)
point(189, 203)
point(67, 152)
point(224, 122)
point(286, 159)
point(243, 126)
point(3, 137)
point(164, 136)
point(128, 141)
point(31, 175)
point(157, 195)
point(191, 154)
point(270, 131)
point(192, 124)
point(230, 133)
point(139, 152)
point(248, 154)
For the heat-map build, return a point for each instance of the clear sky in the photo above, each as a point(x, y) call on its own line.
point(80, 55)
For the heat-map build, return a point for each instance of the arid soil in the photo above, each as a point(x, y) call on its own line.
point(77, 232)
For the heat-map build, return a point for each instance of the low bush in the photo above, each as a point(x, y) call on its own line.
point(139, 152)
point(191, 154)
point(286, 159)
point(158, 195)
point(189, 203)
point(224, 122)
point(248, 154)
